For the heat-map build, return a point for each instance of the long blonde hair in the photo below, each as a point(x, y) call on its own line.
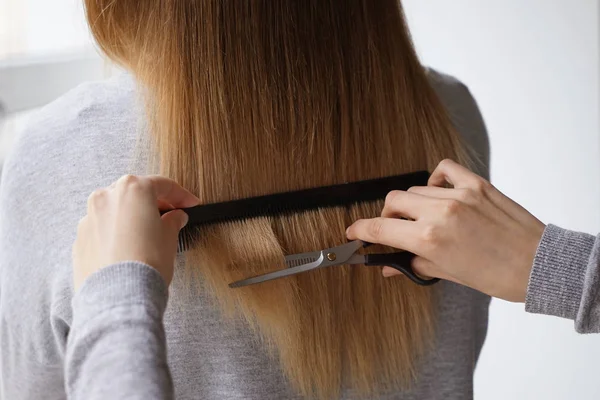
point(253, 97)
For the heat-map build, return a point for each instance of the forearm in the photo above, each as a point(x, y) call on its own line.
point(565, 278)
point(116, 347)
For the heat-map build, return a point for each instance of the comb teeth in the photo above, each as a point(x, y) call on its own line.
point(343, 195)
point(300, 261)
point(187, 238)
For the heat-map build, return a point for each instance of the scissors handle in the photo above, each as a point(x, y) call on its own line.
point(401, 262)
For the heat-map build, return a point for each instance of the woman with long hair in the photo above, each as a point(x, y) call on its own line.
point(234, 99)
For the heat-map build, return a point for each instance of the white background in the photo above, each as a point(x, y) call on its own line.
point(533, 67)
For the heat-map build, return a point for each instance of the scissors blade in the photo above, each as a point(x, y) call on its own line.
point(281, 273)
point(295, 260)
point(302, 262)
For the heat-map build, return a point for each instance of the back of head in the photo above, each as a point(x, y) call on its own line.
point(253, 97)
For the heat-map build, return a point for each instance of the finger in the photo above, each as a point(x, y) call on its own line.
point(387, 231)
point(388, 272)
point(476, 186)
point(449, 171)
point(466, 196)
point(436, 192)
point(83, 222)
point(174, 221)
point(97, 200)
point(163, 205)
point(171, 192)
point(424, 267)
point(80, 237)
point(408, 205)
point(427, 268)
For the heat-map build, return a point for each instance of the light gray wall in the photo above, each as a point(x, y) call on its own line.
point(533, 66)
point(28, 82)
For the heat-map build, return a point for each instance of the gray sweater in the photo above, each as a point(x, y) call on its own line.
point(87, 139)
point(125, 303)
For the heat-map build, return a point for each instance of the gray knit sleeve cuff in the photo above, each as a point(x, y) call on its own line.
point(558, 274)
point(123, 284)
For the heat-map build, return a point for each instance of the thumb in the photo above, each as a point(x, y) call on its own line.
point(174, 221)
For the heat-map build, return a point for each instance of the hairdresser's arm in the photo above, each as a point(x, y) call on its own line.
point(474, 235)
point(116, 347)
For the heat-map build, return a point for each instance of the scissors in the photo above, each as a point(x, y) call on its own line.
point(339, 255)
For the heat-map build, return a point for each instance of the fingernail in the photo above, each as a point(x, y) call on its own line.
point(347, 230)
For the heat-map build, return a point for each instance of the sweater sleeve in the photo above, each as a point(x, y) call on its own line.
point(565, 279)
point(116, 348)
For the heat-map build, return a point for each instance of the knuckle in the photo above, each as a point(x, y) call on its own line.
point(480, 185)
point(471, 196)
point(430, 235)
point(97, 198)
point(131, 183)
point(391, 197)
point(445, 162)
point(464, 195)
point(467, 196)
point(128, 180)
point(452, 207)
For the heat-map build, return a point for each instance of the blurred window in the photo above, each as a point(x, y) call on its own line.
point(42, 27)
point(45, 50)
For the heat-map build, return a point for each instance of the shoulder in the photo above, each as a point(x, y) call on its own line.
point(453, 92)
point(88, 105)
point(75, 126)
point(466, 116)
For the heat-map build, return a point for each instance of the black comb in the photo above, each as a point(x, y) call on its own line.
point(342, 195)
